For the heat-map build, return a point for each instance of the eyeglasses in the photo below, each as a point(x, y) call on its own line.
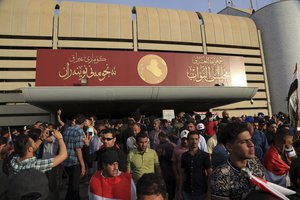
point(107, 139)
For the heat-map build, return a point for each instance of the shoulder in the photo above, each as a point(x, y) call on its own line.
point(151, 151)
point(256, 167)
point(220, 180)
point(201, 138)
point(202, 153)
point(185, 154)
point(96, 176)
point(132, 153)
point(75, 128)
point(125, 175)
point(222, 170)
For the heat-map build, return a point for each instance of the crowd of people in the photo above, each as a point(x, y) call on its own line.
point(189, 157)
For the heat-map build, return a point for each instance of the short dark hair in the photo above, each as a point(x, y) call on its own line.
point(21, 144)
point(270, 122)
point(192, 133)
point(281, 135)
point(189, 122)
point(79, 119)
point(34, 133)
point(151, 184)
point(109, 130)
point(137, 124)
point(162, 135)
point(54, 126)
point(208, 114)
point(140, 135)
point(231, 131)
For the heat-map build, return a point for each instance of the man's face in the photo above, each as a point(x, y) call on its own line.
point(191, 127)
point(255, 125)
point(88, 122)
point(168, 124)
point(108, 140)
point(50, 127)
point(142, 144)
point(32, 145)
point(136, 129)
point(273, 128)
point(111, 170)
point(184, 142)
point(288, 141)
point(156, 125)
point(225, 114)
point(242, 148)
point(193, 141)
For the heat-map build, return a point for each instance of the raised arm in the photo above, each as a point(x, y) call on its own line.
point(59, 119)
point(62, 154)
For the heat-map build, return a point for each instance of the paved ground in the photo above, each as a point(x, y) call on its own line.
point(83, 190)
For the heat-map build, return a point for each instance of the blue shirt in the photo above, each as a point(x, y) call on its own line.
point(260, 142)
point(219, 156)
point(73, 138)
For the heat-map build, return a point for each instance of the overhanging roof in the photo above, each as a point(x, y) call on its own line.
point(122, 100)
point(127, 93)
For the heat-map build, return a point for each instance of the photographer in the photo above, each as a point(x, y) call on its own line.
point(25, 149)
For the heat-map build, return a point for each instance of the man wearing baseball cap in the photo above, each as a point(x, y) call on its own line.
point(110, 183)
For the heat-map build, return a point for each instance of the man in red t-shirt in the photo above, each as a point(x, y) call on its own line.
point(210, 124)
point(110, 183)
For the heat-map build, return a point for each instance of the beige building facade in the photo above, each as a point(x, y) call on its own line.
point(29, 25)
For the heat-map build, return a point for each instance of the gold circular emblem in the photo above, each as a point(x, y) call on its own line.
point(152, 69)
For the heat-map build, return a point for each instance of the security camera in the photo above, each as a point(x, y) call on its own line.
point(251, 101)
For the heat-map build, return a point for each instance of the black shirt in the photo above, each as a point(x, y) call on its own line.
point(194, 168)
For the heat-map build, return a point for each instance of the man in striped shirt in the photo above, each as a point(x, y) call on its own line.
point(25, 148)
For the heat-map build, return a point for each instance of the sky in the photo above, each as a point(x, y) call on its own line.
point(193, 5)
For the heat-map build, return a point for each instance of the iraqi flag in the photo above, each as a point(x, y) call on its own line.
point(120, 187)
point(293, 99)
point(272, 188)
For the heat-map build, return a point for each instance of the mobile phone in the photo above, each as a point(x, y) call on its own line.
point(90, 133)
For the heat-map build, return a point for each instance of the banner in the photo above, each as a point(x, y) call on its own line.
point(128, 68)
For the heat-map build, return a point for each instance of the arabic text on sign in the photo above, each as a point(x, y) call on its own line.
point(86, 71)
point(207, 73)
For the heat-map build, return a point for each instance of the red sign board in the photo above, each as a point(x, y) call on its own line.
point(128, 68)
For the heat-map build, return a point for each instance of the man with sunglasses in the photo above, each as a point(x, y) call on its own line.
point(109, 143)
